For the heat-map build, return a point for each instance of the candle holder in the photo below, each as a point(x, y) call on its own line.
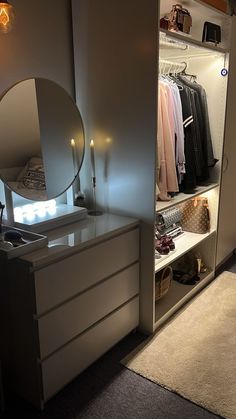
point(94, 211)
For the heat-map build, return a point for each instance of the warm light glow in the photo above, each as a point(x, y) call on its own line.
point(72, 142)
point(108, 140)
point(92, 157)
point(39, 209)
point(6, 17)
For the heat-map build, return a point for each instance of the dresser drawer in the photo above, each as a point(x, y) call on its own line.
point(69, 320)
point(64, 279)
point(67, 363)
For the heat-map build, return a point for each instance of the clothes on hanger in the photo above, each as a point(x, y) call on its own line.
point(183, 112)
point(166, 170)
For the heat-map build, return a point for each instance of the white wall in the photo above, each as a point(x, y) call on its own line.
point(39, 45)
point(19, 126)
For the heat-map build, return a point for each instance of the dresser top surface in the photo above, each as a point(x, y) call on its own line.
point(66, 240)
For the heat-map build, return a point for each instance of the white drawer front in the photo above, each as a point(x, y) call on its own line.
point(64, 279)
point(73, 358)
point(70, 319)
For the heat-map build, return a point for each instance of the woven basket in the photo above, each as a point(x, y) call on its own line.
point(163, 282)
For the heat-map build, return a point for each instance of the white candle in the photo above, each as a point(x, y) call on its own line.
point(92, 157)
point(72, 143)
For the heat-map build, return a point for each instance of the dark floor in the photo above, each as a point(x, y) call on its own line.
point(107, 390)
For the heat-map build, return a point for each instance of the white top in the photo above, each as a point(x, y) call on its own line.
point(67, 240)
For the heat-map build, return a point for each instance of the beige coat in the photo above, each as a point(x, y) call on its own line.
point(166, 169)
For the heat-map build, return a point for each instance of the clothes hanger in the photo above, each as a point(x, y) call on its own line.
point(183, 72)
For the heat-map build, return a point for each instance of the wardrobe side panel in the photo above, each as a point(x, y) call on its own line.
point(227, 226)
point(115, 46)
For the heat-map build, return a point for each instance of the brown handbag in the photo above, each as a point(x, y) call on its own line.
point(179, 19)
point(195, 215)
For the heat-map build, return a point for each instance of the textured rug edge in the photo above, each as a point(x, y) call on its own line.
point(129, 357)
point(132, 355)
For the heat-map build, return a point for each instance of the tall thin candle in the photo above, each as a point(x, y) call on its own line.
point(72, 143)
point(92, 158)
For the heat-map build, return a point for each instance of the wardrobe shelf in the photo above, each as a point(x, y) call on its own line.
point(183, 243)
point(187, 39)
point(177, 296)
point(181, 197)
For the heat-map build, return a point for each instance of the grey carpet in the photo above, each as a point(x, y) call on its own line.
point(107, 390)
point(195, 353)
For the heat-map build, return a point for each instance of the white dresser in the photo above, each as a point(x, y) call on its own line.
point(70, 302)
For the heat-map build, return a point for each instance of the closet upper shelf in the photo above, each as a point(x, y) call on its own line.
point(194, 47)
point(200, 13)
point(181, 197)
point(197, 8)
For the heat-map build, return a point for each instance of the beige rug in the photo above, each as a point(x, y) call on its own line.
point(194, 355)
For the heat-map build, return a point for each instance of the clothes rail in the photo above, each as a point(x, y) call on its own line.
point(166, 66)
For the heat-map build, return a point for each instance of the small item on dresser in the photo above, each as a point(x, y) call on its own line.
point(6, 245)
point(15, 237)
point(195, 215)
point(211, 33)
point(163, 282)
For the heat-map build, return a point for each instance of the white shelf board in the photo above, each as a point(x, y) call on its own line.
point(181, 197)
point(176, 297)
point(183, 243)
point(187, 39)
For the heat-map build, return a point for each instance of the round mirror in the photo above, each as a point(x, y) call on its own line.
point(41, 139)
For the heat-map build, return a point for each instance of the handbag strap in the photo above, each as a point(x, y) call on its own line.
point(204, 32)
point(166, 271)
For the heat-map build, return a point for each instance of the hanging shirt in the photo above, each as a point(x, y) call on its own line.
point(189, 182)
point(166, 173)
point(203, 119)
point(179, 144)
point(176, 124)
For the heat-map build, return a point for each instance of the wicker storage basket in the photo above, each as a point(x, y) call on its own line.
point(163, 282)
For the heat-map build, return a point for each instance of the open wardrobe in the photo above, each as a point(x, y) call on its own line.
point(195, 152)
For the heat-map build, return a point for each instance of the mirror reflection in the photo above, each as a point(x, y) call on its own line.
point(41, 139)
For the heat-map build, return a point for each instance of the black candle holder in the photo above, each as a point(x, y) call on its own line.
point(94, 212)
point(2, 206)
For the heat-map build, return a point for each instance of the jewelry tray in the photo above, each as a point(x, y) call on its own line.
point(34, 241)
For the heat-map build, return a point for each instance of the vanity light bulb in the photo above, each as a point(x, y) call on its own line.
point(6, 16)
